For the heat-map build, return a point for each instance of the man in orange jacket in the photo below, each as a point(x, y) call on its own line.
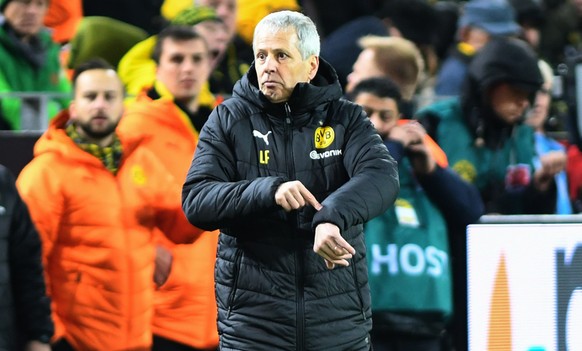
point(96, 197)
point(169, 116)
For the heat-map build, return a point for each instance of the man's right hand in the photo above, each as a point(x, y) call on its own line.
point(294, 195)
point(163, 265)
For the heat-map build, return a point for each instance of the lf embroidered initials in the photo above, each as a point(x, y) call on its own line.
point(264, 157)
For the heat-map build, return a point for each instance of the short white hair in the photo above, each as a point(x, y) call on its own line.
point(308, 43)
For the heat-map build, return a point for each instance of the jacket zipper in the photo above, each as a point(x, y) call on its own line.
point(299, 264)
point(127, 244)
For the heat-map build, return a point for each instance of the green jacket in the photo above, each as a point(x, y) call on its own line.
point(19, 74)
point(488, 168)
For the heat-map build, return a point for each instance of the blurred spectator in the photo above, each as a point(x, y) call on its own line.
point(102, 37)
point(137, 69)
point(561, 34)
point(142, 14)
point(411, 310)
point(63, 18)
point(480, 21)
point(30, 63)
point(393, 57)
point(491, 147)
point(25, 314)
point(414, 20)
point(447, 17)
point(530, 16)
point(96, 197)
point(341, 46)
point(329, 15)
point(167, 116)
point(239, 54)
point(250, 12)
point(545, 145)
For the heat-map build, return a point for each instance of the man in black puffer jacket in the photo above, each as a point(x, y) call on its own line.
point(289, 172)
point(25, 315)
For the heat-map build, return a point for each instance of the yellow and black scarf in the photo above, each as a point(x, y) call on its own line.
point(109, 155)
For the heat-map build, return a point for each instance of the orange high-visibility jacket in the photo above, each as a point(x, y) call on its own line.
point(96, 229)
point(185, 306)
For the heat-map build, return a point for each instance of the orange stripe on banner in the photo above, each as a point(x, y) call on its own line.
point(500, 315)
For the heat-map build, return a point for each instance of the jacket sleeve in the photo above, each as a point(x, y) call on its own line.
point(459, 201)
point(164, 197)
point(9, 106)
point(32, 305)
point(373, 184)
point(211, 197)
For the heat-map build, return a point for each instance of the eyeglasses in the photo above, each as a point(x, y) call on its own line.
point(385, 115)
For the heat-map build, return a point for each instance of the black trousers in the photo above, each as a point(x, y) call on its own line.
point(159, 344)
point(163, 344)
point(62, 345)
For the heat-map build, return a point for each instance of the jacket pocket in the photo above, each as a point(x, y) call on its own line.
point(236, 272)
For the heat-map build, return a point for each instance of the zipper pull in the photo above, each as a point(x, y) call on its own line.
point(288, 113)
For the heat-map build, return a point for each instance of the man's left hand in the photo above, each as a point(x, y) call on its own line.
point(37, 346)
point(163, 265)
point(330, 245)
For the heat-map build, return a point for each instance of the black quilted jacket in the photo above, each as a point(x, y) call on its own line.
point(273, 291)
point(24, 308)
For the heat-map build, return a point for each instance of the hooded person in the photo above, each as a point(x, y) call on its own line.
point(503, 61)
point(492, 148)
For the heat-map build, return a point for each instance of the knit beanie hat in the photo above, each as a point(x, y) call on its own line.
point(194, 15)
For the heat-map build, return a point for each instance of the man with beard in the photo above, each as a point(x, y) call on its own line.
point(96, 198)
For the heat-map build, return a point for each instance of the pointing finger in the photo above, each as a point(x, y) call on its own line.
point(308, 196)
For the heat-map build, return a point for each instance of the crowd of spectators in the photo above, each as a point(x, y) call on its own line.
point(476, 96)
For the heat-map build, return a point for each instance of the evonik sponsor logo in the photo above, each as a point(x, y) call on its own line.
point(314, 155)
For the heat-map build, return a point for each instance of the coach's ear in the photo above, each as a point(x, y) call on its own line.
point(313, 66)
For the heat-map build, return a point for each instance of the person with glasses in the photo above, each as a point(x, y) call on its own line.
point(412, 303)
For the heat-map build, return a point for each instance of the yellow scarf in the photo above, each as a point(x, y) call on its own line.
point(109, 155)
